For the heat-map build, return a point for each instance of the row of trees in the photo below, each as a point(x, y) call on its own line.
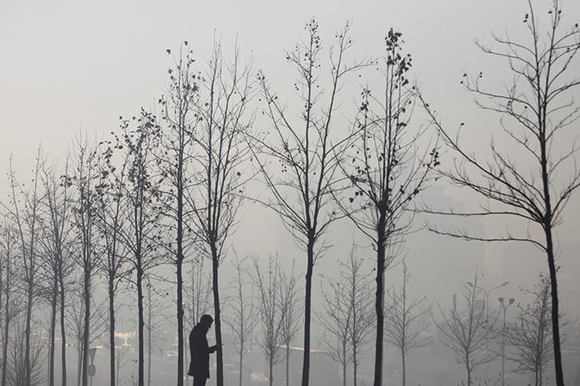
point(270, 296)
point(168, 187)
point(533, 176)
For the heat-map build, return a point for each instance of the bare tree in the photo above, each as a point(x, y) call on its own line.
point(222, 121)
point(530, 337)
point(122, 350)
point(143, 200)
point(83, 179)
point(243, 317)
point(153, 311)
point(360, 296)
point(120, 360)
point(388, 167)
point(268, 285)
point(11, 301)
point(404, 328)
point(75, 320)
point(46, 290)
point(24, 211)
point(468, 330)
point(176, 160)
point(301, 190)
point(57, 241)
point(23, 373)
point(336, 319)
point(291, 315)
point(111, 218)
point(533, 184)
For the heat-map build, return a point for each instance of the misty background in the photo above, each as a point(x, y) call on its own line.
point(69, 70)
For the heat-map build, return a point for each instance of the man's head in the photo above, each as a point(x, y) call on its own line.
point(206, 321)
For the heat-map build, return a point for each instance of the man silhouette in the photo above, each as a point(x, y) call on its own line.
point(199, 349)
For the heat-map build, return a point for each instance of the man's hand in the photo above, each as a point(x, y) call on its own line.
point(212, 349)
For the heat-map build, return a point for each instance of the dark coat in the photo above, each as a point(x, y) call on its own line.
point(199, 349)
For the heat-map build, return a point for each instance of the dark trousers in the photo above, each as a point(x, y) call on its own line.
point(199, 381)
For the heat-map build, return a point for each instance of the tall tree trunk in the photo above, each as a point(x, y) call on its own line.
point(379, 300)
point(271, 370)
point(62, 331)
point(241, 365)
point(468, 369)
point(118, 364)
point(86, 327)
point(140, 327)
point(539, 349)
point(149, 339)
point(354, 365)
point(307, 315)
point(218, 325)
point(79, 362)
point(179, 264)
point(344, 365)
point(51, 344)
point(27, 331)
point(555, 308)
point(548, 224)
point(112, 329)
point(287, 364)
point(404, 363)
point(6, 323)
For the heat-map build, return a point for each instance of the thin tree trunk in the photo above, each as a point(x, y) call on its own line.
point(539, 348)
point(180, 341)
point(141, 374)
point(287, 364)
point(354, 366)
point(218, 325)
point(379, 300)
point(468, 368)
point(307, 315)
point(179, 264)
point(404, 361)
point(547, 224)
point(62, 332)
point(344, 365)
point(241, 364)
point(112, 329)
point(149, 339)
point(555, 309)
point(51, 347)
point(118, 364)
point(86, 333)
point(271, 370)
point(27, 332)
point(79, 362)
point(6, 322)
point(5, 346)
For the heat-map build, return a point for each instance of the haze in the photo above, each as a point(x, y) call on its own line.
point(70, 69)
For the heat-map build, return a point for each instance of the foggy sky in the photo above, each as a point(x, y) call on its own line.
point(72, 65)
